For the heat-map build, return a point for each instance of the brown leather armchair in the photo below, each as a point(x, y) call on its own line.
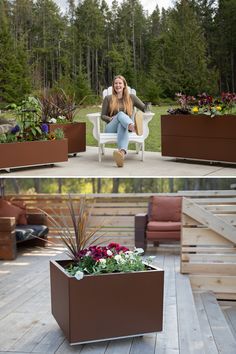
point(162, 222)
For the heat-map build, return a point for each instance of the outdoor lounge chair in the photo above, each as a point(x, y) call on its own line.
point(105, 138)
point(20, 227)
point(162, 223)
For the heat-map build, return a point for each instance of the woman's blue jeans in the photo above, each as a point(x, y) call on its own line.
point(119, 125)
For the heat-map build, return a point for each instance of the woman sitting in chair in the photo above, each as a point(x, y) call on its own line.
point(117, 112)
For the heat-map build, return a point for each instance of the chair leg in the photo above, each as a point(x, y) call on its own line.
point(142, 154)
point(99, 153)
point(137, 148)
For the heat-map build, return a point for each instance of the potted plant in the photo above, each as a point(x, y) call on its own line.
point(200, 129)
point(103, 281)
point(58, 111)
point(29, 143)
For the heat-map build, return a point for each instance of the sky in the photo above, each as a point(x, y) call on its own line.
point(148, 5)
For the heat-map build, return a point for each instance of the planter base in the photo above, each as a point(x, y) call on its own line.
point(114, 338)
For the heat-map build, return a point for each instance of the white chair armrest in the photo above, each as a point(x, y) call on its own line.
point(95, 119)
point(147, 117)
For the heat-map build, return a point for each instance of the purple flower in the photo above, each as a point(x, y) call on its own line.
point(44, 128)
point(16, 129)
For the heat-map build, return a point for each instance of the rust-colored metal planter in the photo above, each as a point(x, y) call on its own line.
point(199, 137)
point(30, 153)
point(106, 306)
point(75, 133)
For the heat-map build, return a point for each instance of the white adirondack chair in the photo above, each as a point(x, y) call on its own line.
point(105, 138)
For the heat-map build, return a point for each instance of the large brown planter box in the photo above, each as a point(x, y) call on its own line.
point(106, 306)
point(199, 137)
point(30, 153)
point(75, 133)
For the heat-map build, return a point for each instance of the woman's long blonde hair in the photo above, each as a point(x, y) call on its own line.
point(127, 102)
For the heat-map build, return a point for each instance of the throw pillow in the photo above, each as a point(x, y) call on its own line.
point(9, 210)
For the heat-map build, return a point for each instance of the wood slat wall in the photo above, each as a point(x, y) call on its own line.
point(113, 212)
point(208, 244)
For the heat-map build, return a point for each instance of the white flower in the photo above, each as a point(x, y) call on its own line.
point(102, 260)
point(52, 120)
point(119, 259)
point(139, 250)
point(109, 253)
point(88, 253)
point(79, 275)
point(62, 117)
point(129, 252)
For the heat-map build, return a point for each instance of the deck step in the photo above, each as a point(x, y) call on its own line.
point(190, 335)
point(217, 335)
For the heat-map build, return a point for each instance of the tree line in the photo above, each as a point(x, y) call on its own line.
point(111, 185)
point(189, 48)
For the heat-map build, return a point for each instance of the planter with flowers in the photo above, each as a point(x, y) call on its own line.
point(201, 129)
point(58, 111)
point(103, 292)
point(29, 143)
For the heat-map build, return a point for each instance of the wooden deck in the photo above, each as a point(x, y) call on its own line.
point(193, 323)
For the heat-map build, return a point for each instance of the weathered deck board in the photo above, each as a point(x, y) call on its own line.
point(167, 340)
point(224, 339)
point(205, 326)
point(27, 326)
point(229, 310)
point(190, 336)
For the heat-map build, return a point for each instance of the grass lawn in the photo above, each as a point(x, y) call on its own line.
point(152, 143)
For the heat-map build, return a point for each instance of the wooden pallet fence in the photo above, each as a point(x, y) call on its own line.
point(208, 245)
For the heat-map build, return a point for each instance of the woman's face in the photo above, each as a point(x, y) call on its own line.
point(119, 86)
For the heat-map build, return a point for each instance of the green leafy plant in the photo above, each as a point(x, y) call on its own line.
point(59, 133)
point(31, 132)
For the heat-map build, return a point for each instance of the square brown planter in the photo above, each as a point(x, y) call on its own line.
point(75, 133)
point(30, 153)
point(107, 306)
point(199, 137)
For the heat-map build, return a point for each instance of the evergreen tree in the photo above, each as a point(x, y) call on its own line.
point(181, 57)
point(14, 80)
point(225, 44)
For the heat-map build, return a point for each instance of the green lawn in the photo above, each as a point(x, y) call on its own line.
point(152, 143)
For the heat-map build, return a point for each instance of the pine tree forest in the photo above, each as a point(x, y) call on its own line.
point(111, 185)
point(189, 48)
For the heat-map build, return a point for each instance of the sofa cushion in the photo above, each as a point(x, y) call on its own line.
point(27, 232)
point(163, 226)
point(20, 204)
point(165, 208)
point(7, 209)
